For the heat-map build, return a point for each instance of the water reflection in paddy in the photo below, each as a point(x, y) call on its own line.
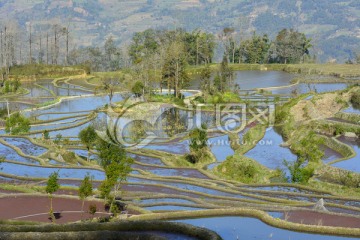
point(249, 228)
point(220, 147)
point(54, 116)
point(163, 200)
point(147, 160)
point(254, 79)
point(44, 172)
point(172, 208)
point(26, 146)
point(11, 155)
point(352, 164)
point(352, 109)
point(312, 87)
point(269, 151)
point(79, 104)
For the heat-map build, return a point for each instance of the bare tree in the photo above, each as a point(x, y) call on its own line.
point(30, 44)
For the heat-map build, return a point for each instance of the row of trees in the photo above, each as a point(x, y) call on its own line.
point(161, 56)
point(198, 45)
point(149, 50)
point(107, 58)
point(47, 43)
point(113, 159)
point(289, 46)
point(85, 191)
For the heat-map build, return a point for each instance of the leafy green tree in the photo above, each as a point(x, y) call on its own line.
point(226, 75)
point(198, 144)
point(199, 46)
point(16, 85)
point(46, 134)
point(52, 186)
point(198, 138)
point(138, 89)
point(174, 69)
point(298, 172)
point(85, 190)
point(7, 87)
point(17, 124)
point(205, 77)
point(112, 55)
point(254, 50)
point(58, 138)
point(143, 44)
point(88, 137)
point(291, 46)
point(217, 82)
point(117, 167)
point(110, 86)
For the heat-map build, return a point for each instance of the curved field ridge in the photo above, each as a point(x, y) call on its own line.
point(263, 216)
point(116, 230)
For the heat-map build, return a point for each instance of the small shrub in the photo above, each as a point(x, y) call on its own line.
point(114, 209)
point(199, 99)
point(191, 158)
point(46, 134)
point(92, 209)
point(350, 180)
point(355, 99)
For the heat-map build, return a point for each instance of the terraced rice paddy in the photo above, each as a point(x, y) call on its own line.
point(157, 186)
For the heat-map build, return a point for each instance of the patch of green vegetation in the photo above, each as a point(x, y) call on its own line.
point(11, 86)
point(17, 124)
point(355, 99)
point(350, 180)
point(300, 173)
point(198, 144)
point(249, 140)
point(335, 188)
point(336, 70)
point(246, 170)
point(42, 71)
point(355, 118)
point(167, 98)
point(337, 128)
point(226, 97)
point(284, 120)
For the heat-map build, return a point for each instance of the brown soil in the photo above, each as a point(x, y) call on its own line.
point(324, 219)
point(325, 107)
point(13, 207)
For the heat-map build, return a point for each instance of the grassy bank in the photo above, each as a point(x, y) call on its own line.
point(115, 230)
point(245, 170)
point(38, 71)
point(336, 70)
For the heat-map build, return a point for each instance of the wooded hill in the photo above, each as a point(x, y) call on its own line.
point(333, 25)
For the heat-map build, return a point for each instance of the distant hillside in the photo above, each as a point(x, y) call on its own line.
point(334, 25)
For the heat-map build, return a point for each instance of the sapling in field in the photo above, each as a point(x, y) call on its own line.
point(88, 137)
point(85, 190)
point(52, 186)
